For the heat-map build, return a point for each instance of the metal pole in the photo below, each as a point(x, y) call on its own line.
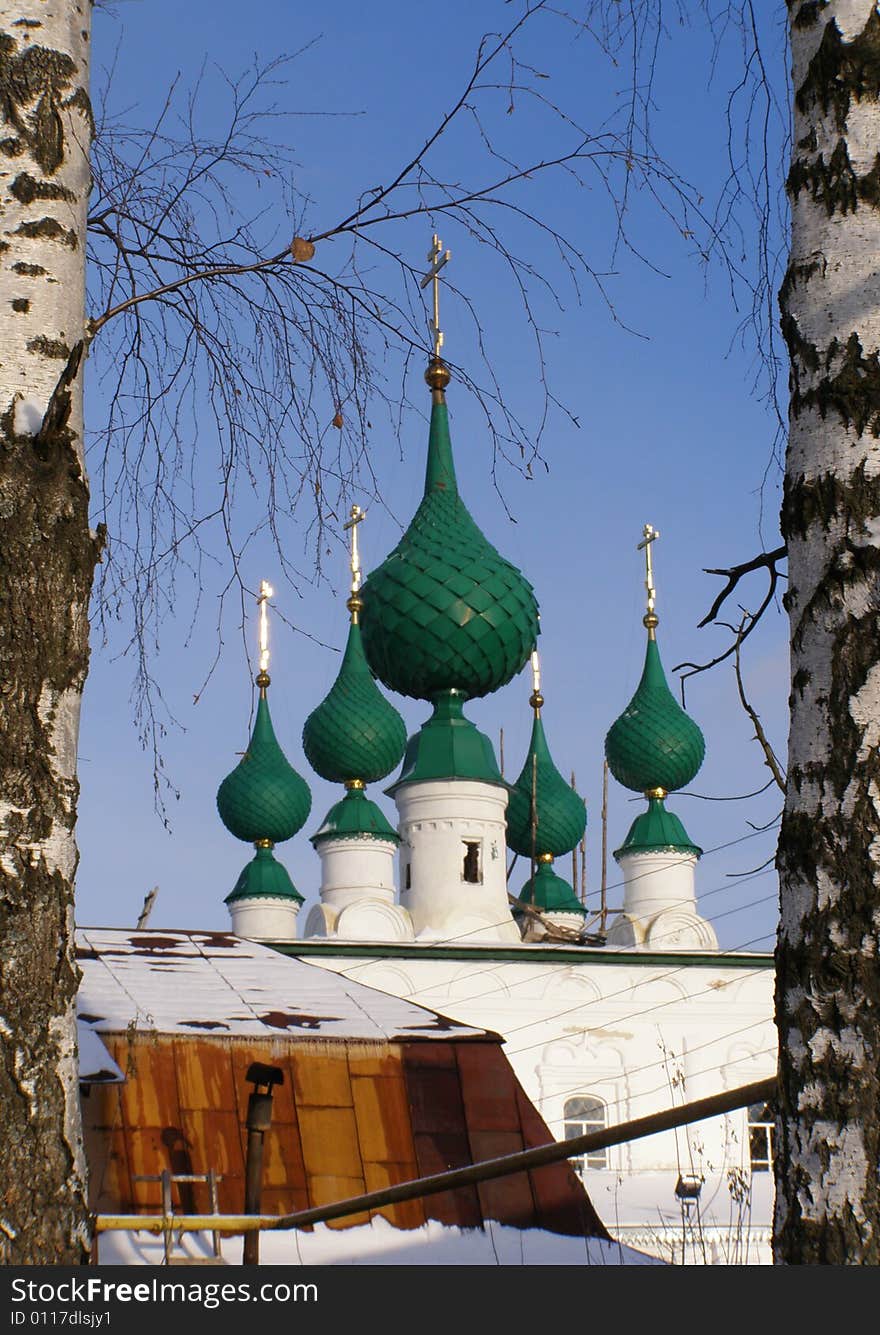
point(259, 1120)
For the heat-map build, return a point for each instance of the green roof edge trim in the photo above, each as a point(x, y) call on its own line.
point(523, 953)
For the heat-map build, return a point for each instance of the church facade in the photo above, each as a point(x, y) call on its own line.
point(599, 1029)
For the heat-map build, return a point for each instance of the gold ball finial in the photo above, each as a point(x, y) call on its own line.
point(438, 374)
point(263, 679)
point(536, 700)
point(651, 620)
point(355, 605)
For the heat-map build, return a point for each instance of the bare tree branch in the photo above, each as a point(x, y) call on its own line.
point(763, 561)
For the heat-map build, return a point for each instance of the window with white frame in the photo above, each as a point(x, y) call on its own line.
point(584, 1114)
point(761, 1123)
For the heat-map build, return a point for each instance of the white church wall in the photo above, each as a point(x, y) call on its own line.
point(638, 1037)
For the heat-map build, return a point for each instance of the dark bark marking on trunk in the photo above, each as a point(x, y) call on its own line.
point(27, 270)
point(49, 347)
point(26, 189)
point(852, 392)
point(824, 500)
point(808, 14)
point(21, 304)
point(834, 184)
point(49, 229)
point(841, 72)
point(32, 85)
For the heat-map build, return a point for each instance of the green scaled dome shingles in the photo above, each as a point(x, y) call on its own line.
point(354, 733)
point(654, 744)
point(445, 610)
point(561, 814)
point(263, 797)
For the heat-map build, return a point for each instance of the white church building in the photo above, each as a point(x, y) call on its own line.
point(599, 1028)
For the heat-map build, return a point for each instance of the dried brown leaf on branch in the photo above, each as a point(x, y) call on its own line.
point(302, 250)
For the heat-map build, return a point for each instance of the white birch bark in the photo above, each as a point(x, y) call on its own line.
point(47, 559)
point(828, 981)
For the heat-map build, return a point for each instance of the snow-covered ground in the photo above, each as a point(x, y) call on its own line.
point(380, 1243)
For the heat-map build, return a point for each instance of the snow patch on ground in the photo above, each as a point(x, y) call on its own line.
point(380, 1243)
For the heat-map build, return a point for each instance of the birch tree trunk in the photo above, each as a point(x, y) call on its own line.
point(47, 557)
point(828, 974)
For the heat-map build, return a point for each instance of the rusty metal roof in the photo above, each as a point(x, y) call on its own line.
point(212, 983)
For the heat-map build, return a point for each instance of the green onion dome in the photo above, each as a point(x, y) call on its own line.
point(355, 817)
point(657, 831)
point(444, 610)
point(561, 814)
point(550, 893)
point(354, 733)
point(654, 744)
point(263, 799)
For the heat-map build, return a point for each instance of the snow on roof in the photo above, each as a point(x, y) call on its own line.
point(213, 983)
point(96, 1066)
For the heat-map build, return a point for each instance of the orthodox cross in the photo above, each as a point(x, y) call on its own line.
point(438, 258)
point(357, 517)
point(266, 592)
point(649, 536)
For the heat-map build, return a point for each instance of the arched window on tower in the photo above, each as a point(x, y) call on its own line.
point(584, 1114)
point(761, 1124)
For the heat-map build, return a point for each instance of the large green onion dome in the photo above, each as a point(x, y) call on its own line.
point(355, 733)
point(264, 801)
point(654, 744)
point(561, 816)
point(445, 611)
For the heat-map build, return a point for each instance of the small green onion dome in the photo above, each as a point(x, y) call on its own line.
point(549, 892)
point(657, 831)
point(355, 817)
point(263, 798)
point(264, 878)
point(561, 814)
point(354, 733)
point(654, 744)
point(445, 610)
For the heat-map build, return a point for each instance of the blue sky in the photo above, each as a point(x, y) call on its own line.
point(669, 431)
